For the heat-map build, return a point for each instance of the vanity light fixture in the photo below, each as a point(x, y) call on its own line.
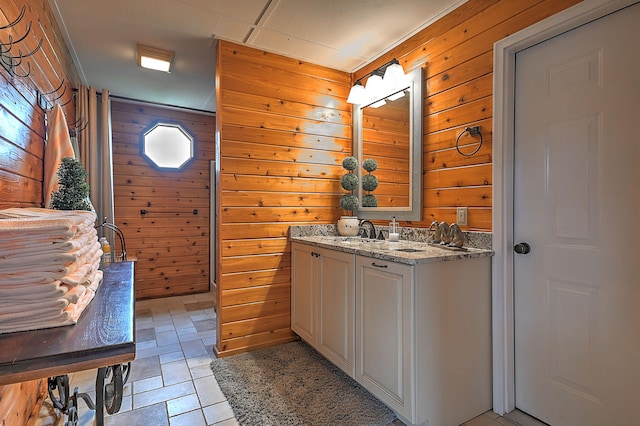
point(385, 79)
point(154, 58)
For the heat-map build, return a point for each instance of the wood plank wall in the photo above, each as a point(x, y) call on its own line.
point(284, 128)
point(457, 55)
point(22, 121)
point(170, 243)
point(22, 141)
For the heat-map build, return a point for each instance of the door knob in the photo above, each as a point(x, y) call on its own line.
point(522, 248)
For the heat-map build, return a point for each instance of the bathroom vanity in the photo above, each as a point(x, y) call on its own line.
point(408, 321)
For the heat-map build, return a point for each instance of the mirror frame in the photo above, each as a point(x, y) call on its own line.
point(414, 210)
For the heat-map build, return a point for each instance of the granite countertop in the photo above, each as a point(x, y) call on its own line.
point(391, 251)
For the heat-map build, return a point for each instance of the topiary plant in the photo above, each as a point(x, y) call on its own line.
point(369, 183)
point(74, 189)
point(349, 182)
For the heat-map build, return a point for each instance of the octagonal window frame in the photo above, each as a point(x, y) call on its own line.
point(170, 124)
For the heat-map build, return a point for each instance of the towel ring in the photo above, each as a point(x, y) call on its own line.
point(473, 131)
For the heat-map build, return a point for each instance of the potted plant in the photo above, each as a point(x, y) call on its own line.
point(348, 225)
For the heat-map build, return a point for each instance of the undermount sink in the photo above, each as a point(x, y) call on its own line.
point(407, 250)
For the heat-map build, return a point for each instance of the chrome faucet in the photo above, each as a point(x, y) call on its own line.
point(372, 229)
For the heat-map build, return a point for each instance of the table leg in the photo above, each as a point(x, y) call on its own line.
point(102, 371)
point(109, 396)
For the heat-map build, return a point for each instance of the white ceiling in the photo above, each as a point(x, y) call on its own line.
point(341, 34)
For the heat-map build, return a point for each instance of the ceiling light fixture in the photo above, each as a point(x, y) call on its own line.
point(154, 58)
point(378, 86)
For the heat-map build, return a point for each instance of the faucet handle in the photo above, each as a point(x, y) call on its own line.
point(445, 232)
point(437, 233)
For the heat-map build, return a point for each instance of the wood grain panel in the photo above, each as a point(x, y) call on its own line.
point(276, 153)
point(242, 296)
point(472, 90)
point(275, 168)
point(242, 117)
point(261, 324)
point(21, 402)
point(287, 108)
point(256, 278)
point(474, 68)
point(460, 197)
point(281, 151)
point(474, 175)
point(278, 214)
point(255, 310)
point(170, 243)
point(287, 139)
point(257, 341)
point(278, 62)
point(232, 231)
point(460, 115)
point(254, 246)
point(254, 262)
point(229, 182)
point(280, 199)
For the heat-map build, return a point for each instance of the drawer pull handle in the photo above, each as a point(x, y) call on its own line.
point(378, 266)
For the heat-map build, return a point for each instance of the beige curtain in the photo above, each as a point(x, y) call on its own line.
point(95, 145)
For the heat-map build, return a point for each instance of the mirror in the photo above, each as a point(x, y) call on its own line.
point(390, 133)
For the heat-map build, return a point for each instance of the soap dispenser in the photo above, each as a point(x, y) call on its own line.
point(394, 230)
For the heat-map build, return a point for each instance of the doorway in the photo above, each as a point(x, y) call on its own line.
point(579, 161)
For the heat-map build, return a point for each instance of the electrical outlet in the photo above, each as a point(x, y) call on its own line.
point(461, 216)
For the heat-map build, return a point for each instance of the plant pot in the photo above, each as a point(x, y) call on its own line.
point(348, 226)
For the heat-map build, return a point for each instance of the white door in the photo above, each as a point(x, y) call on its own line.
point(576, 203)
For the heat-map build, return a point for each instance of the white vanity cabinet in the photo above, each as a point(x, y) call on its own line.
point(323, 302)
point(423, 337)
point(384, 337)
point(416, 335)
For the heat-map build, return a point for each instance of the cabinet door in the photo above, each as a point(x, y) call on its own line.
point(384, 344)
point(336, 288)
point(303, 298)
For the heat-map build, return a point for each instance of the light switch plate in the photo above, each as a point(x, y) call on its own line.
point(461, 216)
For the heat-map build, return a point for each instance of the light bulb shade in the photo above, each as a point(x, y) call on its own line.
point(375, 87)
point(394, 77)
point(357, 95)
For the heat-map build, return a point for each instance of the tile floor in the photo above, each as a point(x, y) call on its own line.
point(171, 382)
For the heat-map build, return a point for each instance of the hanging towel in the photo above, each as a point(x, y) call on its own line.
point(58, 146)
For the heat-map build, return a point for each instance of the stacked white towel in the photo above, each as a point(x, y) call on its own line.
point(49, 263)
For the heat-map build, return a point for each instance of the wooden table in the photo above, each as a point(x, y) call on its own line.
point(103, 338)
